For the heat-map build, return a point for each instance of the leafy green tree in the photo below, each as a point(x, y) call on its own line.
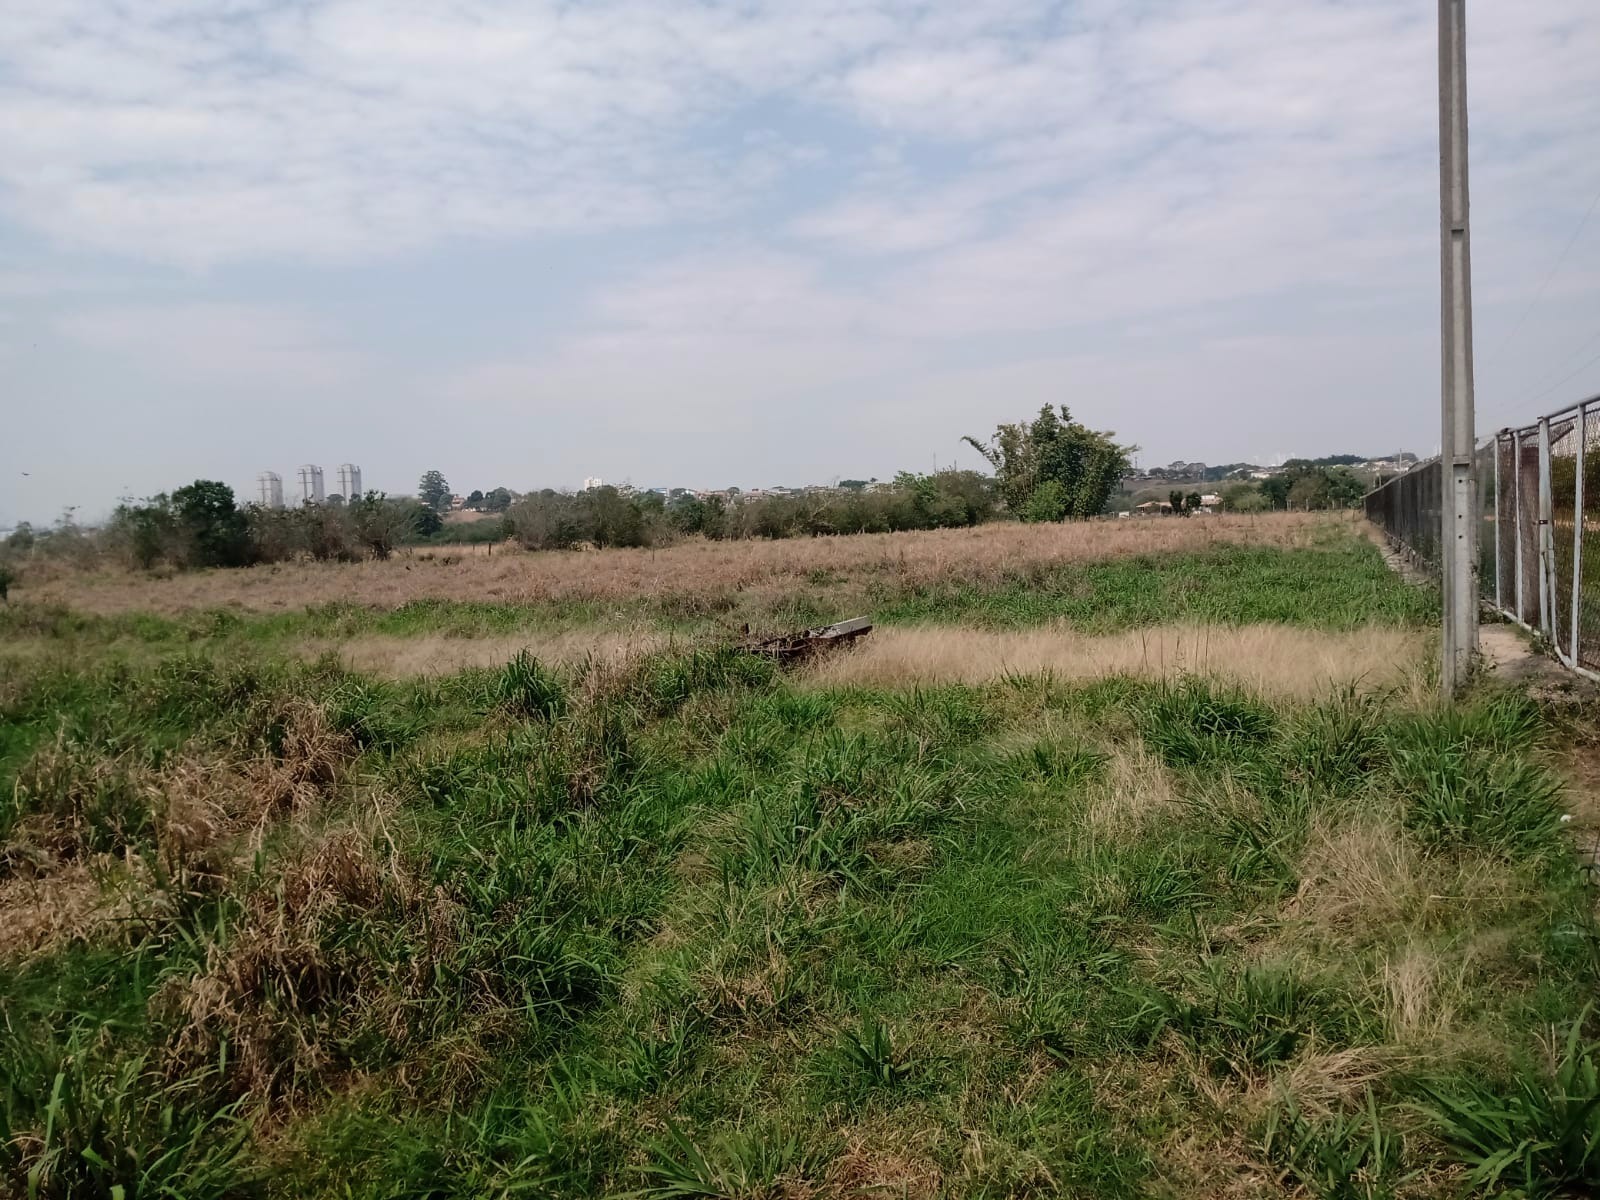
point(21, 539)
point(424, 520)
point(1345, 488)
point(215, 528)
point(1243, 498)
point(146, 531)
point(1175, 502)
point(1276, 490)
point(7, 577)
point(474, 499)
point(1085, 465)
point(1047, 502)
point(381, 524)
point(434, 491)
point(1191, 503)
point(613, 520)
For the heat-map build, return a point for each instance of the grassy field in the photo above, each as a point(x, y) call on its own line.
point(1145, 871)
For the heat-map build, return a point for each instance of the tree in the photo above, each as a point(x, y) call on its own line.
point(497, 501)
point(216, 529)
point(1175, 502)
point(424, 520)
point(1084, 465)
point(1276, 490)
point(1192, 503)
point(146, 531)
point(21, 539)
point(1308, 491)
point(1243, 498)
point(474, 498)
point(613, 519)
point(434, 491)
point(1345, 489)
point(382, 524)
point(7, 578)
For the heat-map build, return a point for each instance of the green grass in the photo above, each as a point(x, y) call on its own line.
point(1341, 584)
point(1337, 586)
point(675, 927)
point(679, 930)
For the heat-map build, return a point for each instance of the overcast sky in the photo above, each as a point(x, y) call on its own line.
point(761, 241)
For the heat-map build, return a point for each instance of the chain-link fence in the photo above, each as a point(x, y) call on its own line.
point(1539, 540)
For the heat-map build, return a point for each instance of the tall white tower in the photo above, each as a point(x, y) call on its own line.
point(270, 487)
point(349, 481)
point(311, 484)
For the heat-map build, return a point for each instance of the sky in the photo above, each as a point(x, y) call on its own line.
point(754, 242)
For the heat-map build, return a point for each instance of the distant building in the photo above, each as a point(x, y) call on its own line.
point(269, 485)
point(311, 491)
point(350, 481)
point(593, 482)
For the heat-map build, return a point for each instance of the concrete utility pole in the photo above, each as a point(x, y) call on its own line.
point(1458, 501)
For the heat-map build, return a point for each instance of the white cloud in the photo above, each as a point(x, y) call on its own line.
point(845, 208)
point(276, 350)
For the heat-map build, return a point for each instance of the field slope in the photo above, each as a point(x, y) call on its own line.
point(1148, 873)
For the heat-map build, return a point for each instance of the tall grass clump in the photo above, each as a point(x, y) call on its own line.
point(1242, 1020)
point(1468, 778)
point(1343, 1156)
point(526, 688)
point(1534, 1134)
point(1191, 722)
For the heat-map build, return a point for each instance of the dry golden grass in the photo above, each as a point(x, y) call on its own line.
point(1422, 990)
point(1134, 790)
point(693, 572)
point(1361, 876)
point(430, 655)
point(1275, 660)
point(80, 902)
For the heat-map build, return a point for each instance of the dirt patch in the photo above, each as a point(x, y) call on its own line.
point(1275, 660)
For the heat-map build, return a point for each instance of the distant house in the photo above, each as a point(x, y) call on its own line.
point(1152, 508)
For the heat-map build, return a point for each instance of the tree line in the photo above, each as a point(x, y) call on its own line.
point(1049, 469)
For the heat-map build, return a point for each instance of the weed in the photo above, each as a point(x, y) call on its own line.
point(866, 1060)
point(1536, 1135)
point(1345, 1156)
point(1467, 780)
point(117, 1129)
point(738, 1165)
point(527, 689)
point(1251, 1018)
point(1189, 723)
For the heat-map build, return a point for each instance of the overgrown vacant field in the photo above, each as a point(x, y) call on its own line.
point(1164, 877)
point(695, 577)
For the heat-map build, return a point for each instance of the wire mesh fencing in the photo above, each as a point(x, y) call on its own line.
point(1539, 537)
